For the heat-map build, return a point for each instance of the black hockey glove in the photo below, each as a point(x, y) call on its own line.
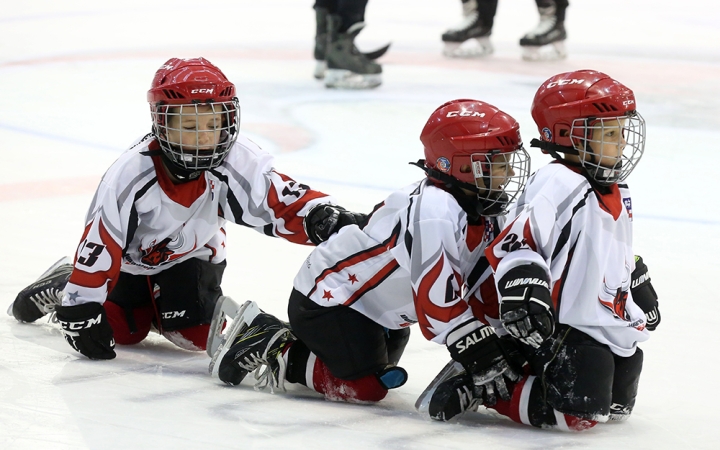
point(324, 220)
point(526, 309)
point(87, 330)
point(644, 294)
point(487, 358)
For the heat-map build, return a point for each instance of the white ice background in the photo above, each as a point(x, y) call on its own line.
point(73, 78)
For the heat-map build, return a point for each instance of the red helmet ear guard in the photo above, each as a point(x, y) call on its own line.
point(197, 91)
point(473, 146)
point(571, 109)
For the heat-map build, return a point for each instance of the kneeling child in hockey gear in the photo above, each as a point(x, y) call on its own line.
point(357, 295)
point(147, 258)
point(566, 274)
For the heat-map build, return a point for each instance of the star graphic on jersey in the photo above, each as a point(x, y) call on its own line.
point(327, 295)
point(72, 296)
point(352, 278)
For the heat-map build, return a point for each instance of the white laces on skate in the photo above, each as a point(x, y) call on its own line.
point(47, 300)
point(264, 374)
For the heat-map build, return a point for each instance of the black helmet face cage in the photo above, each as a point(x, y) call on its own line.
point(500, 178)
point(609, 147)
point(197, 136)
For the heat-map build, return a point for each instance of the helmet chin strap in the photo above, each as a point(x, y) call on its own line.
point(181, 174)
point(473, 205)
point(554, 149)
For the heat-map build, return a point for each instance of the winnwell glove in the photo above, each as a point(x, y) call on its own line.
point(87, 330)
point(487, 358)
point(526, 309)
point(644, 294)
point(324, 220)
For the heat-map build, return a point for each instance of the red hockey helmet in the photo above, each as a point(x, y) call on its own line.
point(590, 114)
point(475, 146)
point(194, 90)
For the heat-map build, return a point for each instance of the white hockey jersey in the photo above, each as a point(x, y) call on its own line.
point(416, 260)
point(584, 241)
point(141, 223)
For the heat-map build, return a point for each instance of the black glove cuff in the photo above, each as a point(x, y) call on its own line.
point(84, 312)
point(472, 341)
point(521, 277)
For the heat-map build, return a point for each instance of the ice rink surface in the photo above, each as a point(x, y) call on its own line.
point(73, 78)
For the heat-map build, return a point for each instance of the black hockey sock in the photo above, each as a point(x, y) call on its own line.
point(297, 358)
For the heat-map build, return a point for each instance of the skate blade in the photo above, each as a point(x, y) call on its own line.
point(345, 79)
point(225, 306)
point(244, 315)
point(58, 263)
point(422, 405)
point(320, 68)
point(550, 52)
point(457, 50)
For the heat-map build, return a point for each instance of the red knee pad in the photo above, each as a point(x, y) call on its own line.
point(191, 338)
point(121, 330)
point(363, 390)
point(519, 406)
point(566, 422)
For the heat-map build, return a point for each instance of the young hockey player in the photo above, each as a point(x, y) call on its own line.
point(545, 42)
point(570, 288)
point(418, 259)
point(153, 249)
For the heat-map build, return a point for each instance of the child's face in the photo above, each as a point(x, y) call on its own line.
point(500, 171)
point(607, 143)
point(193, 131)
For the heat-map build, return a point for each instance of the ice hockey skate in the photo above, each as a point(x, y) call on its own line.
point(458, 40)
point(451, 369)
point(321, 44)
point(41, 297)
point(254, 342)
point(449, 395)
point(547, 41)
point(347, 67)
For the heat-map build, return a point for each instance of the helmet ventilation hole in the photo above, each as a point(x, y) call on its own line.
point(604, 107)
point(172, 94)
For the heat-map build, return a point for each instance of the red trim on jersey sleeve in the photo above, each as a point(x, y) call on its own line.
point(98, 279)
point(356, 259)
point(426, 308)
point(298, 196)
point(487, 304)
point(183, 194)
point(373, 282)
point(490, 249)
point(527, 235)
